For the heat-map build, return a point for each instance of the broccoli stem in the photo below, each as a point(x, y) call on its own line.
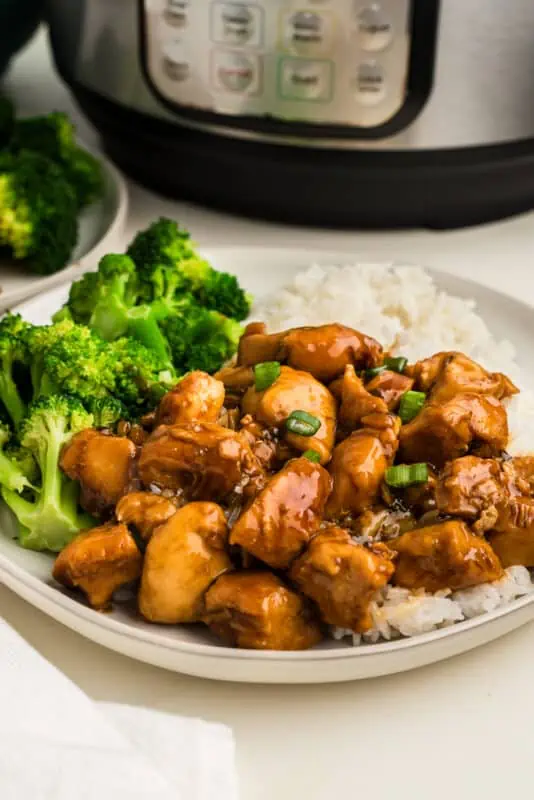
point(144, 327)
point(56, 506)
point(12, 476)
point(9, 394)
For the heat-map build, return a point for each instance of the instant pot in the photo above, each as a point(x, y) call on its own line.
point(329, 112)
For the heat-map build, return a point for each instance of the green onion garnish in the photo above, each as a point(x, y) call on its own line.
point(265, 374)
point(312, 455)
point(397, 364)
point(410, 405)
point(403, 475)
point(302, 423)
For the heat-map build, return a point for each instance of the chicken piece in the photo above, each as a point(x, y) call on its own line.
point(522, 468)
point(104, 466)
point(342, 577)
point(390, 386)
point(444, 556)
point(296, 391)
point(236, 379)
point(324, 351)
point(98, 562)
point(256, 611)
point(263, 441)
point(202, 460)
point(469, 485)
point(282, 519)
point(513, 536)
point(356, 401)
point(440, 433)
point(445, 375)
point(182, 559)
point(358, 467)
point(144, 511)
point(196, 398)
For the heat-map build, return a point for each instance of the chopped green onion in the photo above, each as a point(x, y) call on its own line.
point(266, 374)
point(403, 475)
point(410, 405)
point(373, 372)
point(312, 455)
point(397, 364)
point(302, 423)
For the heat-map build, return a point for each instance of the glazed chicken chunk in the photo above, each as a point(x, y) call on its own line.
point(296, 391)
point(323, 351)
point(390, 386)
point(281, 520)
point(446, 375)
point(446, 431)
point(98, 562)
point(496, 496)
point(342, 577)
point(203, 460)
point(104, 466)
point(257, 611)
point(196, 398)
point(444, 556)
point(359, 465)
point(144, 511)
point(182, 559)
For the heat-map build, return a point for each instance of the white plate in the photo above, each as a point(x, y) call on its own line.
point(101, 229)
point(190, 649)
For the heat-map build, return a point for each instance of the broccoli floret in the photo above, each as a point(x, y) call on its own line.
point(18, 470)
point(53, 136)
point(38, 214)
point(107, 412)
point(14, 364)
point(201, 339)
point(7, 117)
point(50, 519)
point(70, 358)
point(168, 264)
point(81, 301)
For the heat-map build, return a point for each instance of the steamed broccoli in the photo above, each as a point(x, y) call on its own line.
point(70, 358)
point(164, 296)
point(167, 263)
point(49, 519)
point(107, 411)
point(38, 211)
point(14, 362)
point(18, 470)
point(53, 136)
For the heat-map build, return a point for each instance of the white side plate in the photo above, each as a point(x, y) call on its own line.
point(191, 649)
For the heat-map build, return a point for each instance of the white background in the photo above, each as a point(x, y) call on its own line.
point(459, 729)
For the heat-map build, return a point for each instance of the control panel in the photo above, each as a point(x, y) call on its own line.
point(327, 62)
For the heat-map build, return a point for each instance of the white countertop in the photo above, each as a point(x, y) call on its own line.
point(459, 729)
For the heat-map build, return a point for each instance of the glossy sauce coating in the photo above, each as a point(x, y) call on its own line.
point(296, 391)
point(103, 465)
point(342, 577)
point(144, 511)
point(182, 559)
point(256, 610)
point(98, 562)
point(196, 398)
point(284, 516)
point(444, 556)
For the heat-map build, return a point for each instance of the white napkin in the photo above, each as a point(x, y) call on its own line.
point(57, 744)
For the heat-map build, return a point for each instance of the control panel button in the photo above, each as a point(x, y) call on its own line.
point(307, 32)
point(176, 12)
point(175, 63)
point(375, 28)
point(370, 83)
point(236, 72)
point(237, 24)
point(306, 80)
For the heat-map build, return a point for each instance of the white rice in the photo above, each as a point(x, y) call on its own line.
point(403, 308)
